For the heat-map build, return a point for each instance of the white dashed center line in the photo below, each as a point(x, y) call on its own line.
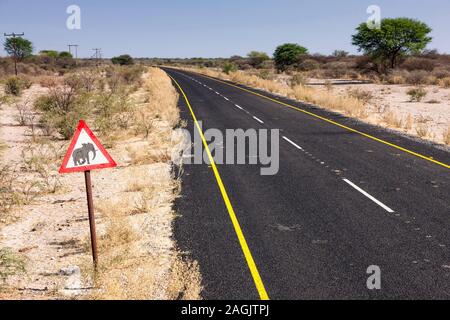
point(259, 120)
point(293, 143)
point(238, 106)
point(385, 207)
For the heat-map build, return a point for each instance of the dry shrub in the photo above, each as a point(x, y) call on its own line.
point(444, 83)
point(49, 81)
point(414, 63)
point(184, 280)
point(24, 112)
point(441, 73)
point(397, 77)
point(419, 77)
point(63, 107)
point(409, 122)
point(11, 263)
point(299, 79)
point(15, 85)
point(446, 136)
point(392, 120)
point(422, 130)
point(362, 95)
point(416, 94)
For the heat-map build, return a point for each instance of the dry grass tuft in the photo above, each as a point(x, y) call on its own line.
point(392, 119)
point(422, 129)
point(445, 82)
point(446, 136)
point(184, 283)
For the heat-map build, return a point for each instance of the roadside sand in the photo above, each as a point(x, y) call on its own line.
point(52, 232)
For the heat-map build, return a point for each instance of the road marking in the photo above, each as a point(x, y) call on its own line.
point(239, 107)
point(334, 123)
point(226, 98)
point(381, 204)
point(293, 143)
point(237, 228)
point(259, 120)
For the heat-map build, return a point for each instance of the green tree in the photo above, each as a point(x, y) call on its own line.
point(288, 54)
point(229, 67)
point(19, 48)
point(49, 53)
point(257, 58)
point(123, 60)
point(395, 39)
point(64, 55)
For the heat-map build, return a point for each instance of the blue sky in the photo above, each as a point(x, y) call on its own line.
point(209, 28)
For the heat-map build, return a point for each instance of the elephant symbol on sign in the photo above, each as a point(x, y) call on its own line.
point(81, 156)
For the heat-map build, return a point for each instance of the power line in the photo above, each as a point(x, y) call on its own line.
point(14, 35)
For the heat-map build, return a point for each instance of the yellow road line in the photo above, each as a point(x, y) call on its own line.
point(237, 228)
point(334, 123)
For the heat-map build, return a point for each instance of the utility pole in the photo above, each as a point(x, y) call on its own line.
point(97, 55)
point(76, 49)
point(14, 35)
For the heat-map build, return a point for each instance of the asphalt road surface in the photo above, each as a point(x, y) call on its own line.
point(340, 203)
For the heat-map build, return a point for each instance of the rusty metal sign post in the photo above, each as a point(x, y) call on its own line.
point(85, 154)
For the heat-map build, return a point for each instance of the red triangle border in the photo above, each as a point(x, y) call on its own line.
point(83, 126)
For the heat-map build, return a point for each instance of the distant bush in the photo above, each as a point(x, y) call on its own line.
point(412, 64)
point(417, 94)
point(65, 54)
point(299, 79)
point(362, 95)
point(63, 108)
point(340, 53)
point(445, 82)
point(229, 67)
point(441, 73)
point(396, 77)
point(123, 60)
point(418, 77)
point(308, 65)
point(15, 85)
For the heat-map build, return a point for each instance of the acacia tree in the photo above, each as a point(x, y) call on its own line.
point(287, 55)
point(123, 60)
point(393, 40)
point(19, 48)
point(257, 58)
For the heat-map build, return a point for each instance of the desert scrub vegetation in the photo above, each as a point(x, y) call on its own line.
point(446, 136)
point(15, 85)
point(417, 94)
point(136, 221)
point(11, 264)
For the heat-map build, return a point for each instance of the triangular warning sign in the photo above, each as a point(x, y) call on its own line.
point(86, 153)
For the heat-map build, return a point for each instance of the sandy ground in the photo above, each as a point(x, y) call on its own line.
point(433, 110)
point(52, 232)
